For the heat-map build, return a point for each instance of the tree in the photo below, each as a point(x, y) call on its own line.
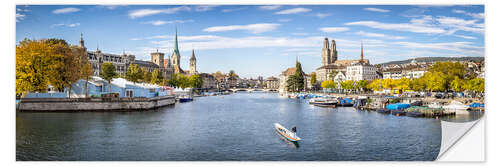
point(183, 81)
point(146, 77)
point(417, 84)
point(313, 78)
point(232, 73)
point(361, 85)
point(86, 70)
point(435, 81)
point(403, 84)
point(156, 77)
point(457, 84)
point(34, 64)
point(390, 84)
point(134, 73)
point(299, 77)
point(291, 83)
point(108, 72)
point(174, 80)
point(195, 81)
point(376, 85)
point(40, 63)
point(328, 84)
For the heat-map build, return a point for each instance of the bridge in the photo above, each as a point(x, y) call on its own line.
point(253, 89)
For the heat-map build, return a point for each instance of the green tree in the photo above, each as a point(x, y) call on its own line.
point(86, 70)
point(403, 84)
point(299, 77)
point(134, 73)
point(361, 85)
point(390, 84)
point(328, 84)
point(291, 83)
point(313, 78)
point(435, 81)
point(108, 72)
point(147, 76)
point(457, 84)
point(183, 81)
point(174, 80)
point(195, 81)
point(156, 77)
point(376, 85)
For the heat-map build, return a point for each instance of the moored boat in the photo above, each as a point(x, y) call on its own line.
point(185, 98)
point(290, 135)
point(414, 114)
point(323, 101)
point(457, 107)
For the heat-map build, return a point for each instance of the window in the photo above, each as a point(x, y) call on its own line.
point(129, 93)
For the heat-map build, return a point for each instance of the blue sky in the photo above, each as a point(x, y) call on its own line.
point(262, 40)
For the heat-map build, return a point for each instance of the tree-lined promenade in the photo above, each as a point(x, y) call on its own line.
point(40, 63)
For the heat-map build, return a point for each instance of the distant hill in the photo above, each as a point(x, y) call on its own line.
point(434, 59)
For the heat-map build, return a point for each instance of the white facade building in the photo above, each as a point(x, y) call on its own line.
point(361, 71)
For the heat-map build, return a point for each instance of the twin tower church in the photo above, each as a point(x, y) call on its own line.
point(121, 62)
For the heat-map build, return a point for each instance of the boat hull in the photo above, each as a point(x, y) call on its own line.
point(285, 133)
point(182, 100)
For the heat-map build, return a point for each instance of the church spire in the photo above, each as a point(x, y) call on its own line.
point(82, 43)
point(176, 45)
point(361, 50)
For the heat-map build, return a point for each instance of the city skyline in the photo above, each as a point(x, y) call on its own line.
point(270, 37)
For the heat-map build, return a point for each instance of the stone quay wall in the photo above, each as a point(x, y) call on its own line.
point(93, 104)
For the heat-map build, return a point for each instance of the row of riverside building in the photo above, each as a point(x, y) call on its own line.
point(361, 69)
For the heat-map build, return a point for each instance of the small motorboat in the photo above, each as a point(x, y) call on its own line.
point(290, 135)
point(323, 101)
point(457, 107)
point(185, 98)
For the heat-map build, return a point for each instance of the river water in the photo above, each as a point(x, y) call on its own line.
point(231, 127)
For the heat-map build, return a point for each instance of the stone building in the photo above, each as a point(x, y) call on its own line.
point(287, 73)
point(330, 62)
point(272, 83)
point(123, 61)
point(209, 81)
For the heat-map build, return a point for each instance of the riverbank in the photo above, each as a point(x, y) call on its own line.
point(93, 104)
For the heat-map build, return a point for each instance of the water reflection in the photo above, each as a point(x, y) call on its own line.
point(292, 144)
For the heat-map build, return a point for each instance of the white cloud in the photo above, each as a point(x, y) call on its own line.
point(269, 7)
point(147, 12)
point(203, 8)
point(20, 17)
point(454, 24)
point(399, 27)
point(465, 37)
point(323, 15)
point(376, 10)
point(475, 15)
point(254, 28)
point(294, 11)
point(334, 29)
point(65, 10)
point(378, 35)
point(66, 25)
point(300, 33)
point(161, 22)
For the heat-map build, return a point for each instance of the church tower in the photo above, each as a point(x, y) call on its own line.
point(333, 53)
point(82, 43)
point(176, 56)
point(157, 58)
point(192, 64)
point(325, 53)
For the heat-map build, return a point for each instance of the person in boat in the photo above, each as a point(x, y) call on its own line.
point(294, 129)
